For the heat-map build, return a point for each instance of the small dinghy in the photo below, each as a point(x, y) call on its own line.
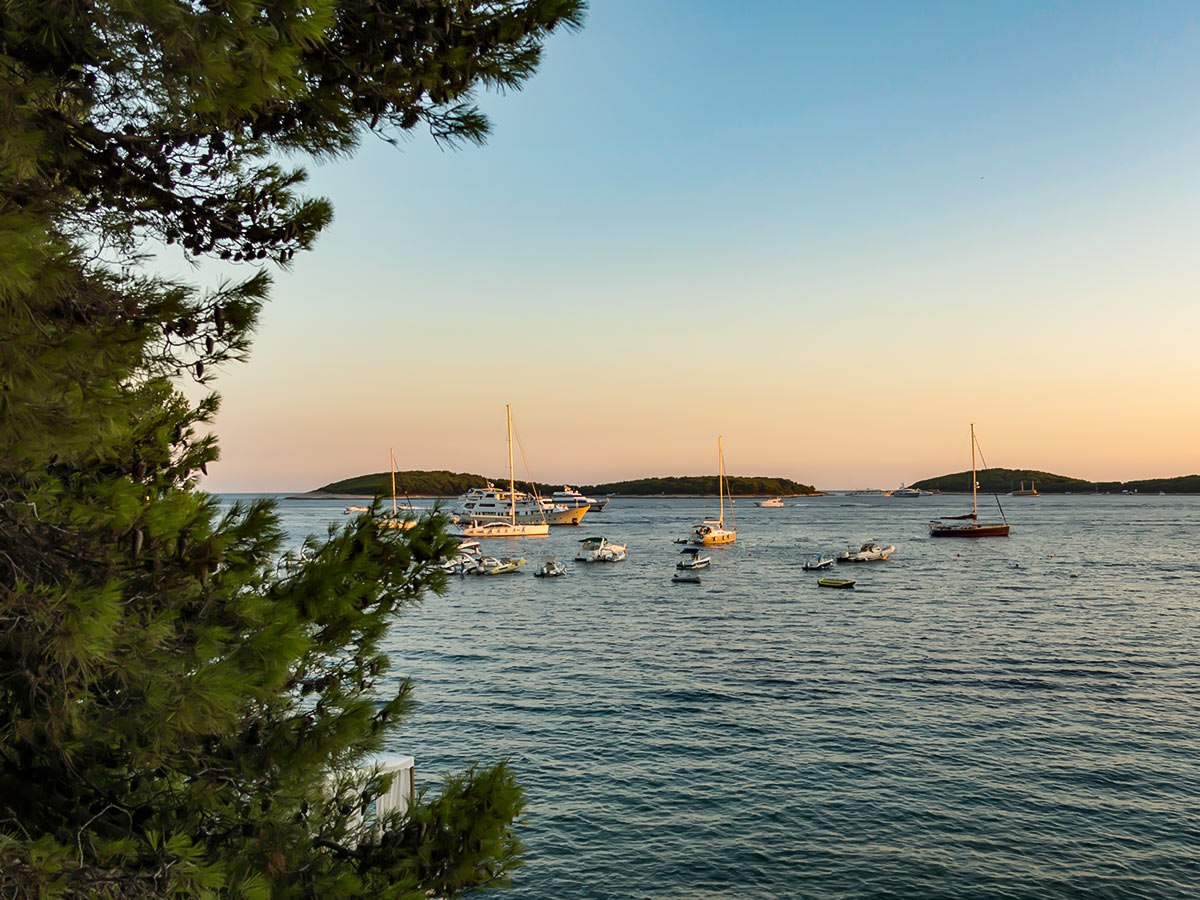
point(835, 582)
point(550, 567)
point(491, 565)
point(818, 562)
point(685, 578)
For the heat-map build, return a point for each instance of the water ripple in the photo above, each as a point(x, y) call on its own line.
point(994, 719)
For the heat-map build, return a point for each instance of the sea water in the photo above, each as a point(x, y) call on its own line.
point(997, 717)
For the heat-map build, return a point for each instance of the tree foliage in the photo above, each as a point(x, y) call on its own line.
point(181, 703)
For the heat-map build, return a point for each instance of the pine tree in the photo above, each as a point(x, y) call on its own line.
point(181, 704)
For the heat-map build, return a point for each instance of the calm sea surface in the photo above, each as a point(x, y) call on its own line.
point(993, 718)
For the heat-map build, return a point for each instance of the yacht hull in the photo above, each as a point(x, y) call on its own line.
point(504, 530)
point(566, 516)
point(712, 539)
point(968, 531)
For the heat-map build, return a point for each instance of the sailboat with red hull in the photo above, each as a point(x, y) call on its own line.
point(968, 525)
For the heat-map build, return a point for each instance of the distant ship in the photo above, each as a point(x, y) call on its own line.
point(572, 499)
point(1031, 491)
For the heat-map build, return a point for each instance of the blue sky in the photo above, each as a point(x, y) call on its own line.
point(759, 206)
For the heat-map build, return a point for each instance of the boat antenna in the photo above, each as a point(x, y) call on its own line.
point(725, 475)
point(512, 487)
point(393, 454)
point(975, 441)
point(720, 484)
point(974, 480)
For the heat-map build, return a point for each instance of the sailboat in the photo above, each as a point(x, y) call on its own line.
point(711, 532)
point(968, 525)
point(396, 520)
point(511, 528)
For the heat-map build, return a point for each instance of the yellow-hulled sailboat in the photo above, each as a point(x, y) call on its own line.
point(711, 532)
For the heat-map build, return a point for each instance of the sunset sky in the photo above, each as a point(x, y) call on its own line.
point(835, 234)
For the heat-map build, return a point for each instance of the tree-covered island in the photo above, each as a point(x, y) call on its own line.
point(440, 483)
point(1004, 480)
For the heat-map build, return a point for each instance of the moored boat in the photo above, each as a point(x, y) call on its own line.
point(503, 530)
point(817, 562)
point(598, 549)
point(868, 552)
point(692, 559)
point(968, 525)
point(1023, 491)
point(493, 565)
point(835, 582)
point(483, 521)
point(712, 531)
point(572, 499)
point(549, 567)
point(685, 578)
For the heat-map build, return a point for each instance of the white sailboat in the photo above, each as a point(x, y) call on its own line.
point(396, 520)
point(511, 528)
point(711, 532)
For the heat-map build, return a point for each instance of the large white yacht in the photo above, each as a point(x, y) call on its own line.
point(493, 504)
point(572, 499)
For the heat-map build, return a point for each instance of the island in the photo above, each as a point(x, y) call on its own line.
point(442, 483)
point(1001, 481)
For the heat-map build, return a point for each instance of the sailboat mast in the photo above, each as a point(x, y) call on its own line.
point(974, 482)
point(393, 453)
point(721, 480)
point(512, 485)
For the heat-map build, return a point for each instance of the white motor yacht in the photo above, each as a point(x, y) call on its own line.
point(492, 504)
point(773, 503)
point(598, 549)
point(868, 552)
point(572, 499)
point(692, 559)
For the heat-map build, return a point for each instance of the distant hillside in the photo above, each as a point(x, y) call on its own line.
point(1002, 481)
point(450, 484)
point(438, 483)
point(702, 485)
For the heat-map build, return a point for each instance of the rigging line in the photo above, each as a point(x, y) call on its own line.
point(732, 515)
point(529, 472)
point(994, 494)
